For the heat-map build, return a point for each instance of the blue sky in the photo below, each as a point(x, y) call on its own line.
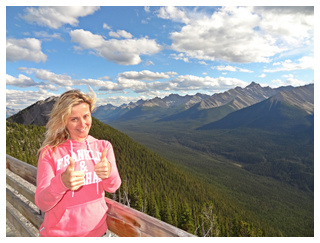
point(131, 53)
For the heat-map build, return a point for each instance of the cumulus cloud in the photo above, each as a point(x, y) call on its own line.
point(294, 25)
point(180, 56)
point(19, 99)
point(120, 34)
point(147, 9)
point(137, 82)
point(232, 69)
point(45, 75)
point(52, 80)
point(306, 62)
point(125, 52)
point(146, 75)
point(143, 83)
point(240, 34)
point(148, 63)
point(263, 75)
point(106, 26)
point(47, 36)
point(56, 16)
point(191, 82)
point(173, 13)
point(28, 49)
point(22, 81)
point(289, 80)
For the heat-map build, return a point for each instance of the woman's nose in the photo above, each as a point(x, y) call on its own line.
point(82, 121)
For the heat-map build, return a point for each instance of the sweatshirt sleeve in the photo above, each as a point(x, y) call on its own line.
point(112, 183)
point(50, 188)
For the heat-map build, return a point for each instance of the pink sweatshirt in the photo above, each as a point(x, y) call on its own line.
point(74, 213)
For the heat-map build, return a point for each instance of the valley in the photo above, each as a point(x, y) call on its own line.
point(258, 197)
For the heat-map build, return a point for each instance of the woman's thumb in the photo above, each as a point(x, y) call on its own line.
point(71, 165)
point(104, 153)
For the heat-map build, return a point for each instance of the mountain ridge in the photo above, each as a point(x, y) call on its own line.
point(35, 114)
point(285, 110)
point(177, 108)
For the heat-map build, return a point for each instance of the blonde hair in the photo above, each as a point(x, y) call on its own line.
point(57, 132)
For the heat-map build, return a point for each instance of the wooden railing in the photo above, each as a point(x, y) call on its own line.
point(121, 220)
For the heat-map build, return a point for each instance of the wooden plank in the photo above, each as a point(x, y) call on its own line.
point(18, 224)
point(122, 228)
point(28, 212)
point(26, 192)
point(147, 225)
point(22, 169)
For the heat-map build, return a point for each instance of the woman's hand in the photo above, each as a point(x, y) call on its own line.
point(72, 179)
point(103, 168)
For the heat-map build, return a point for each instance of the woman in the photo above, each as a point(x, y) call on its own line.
point(74, 170)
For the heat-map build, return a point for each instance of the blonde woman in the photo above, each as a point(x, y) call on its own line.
point(74, 170)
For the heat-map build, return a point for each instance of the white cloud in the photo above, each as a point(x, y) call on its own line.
point(45, 75)
point(120, 33)
point(289, 80)
point(56, 16)
point(306, 62)
point(263, 75)
point(240, 34)
point(147, 9)
point(180, 56)
point(146, 75)
point(232, 69)
point(173, 13)
point(148, 63)
point(105, 78)
point(191, 82)
point(54, 80)
point(28, 49)
point(227, 35)
point(106, 26)
point(47, 36)
point(20, 99)
point(294, 25)
point(125, 52)
point(144, 82)
point(22, 81)
point(147, 81)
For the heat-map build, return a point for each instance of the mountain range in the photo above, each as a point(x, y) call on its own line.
point(253, 105)
point(203, 110)
point(288, 109)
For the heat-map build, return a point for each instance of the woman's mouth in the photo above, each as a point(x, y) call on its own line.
point(82, 130)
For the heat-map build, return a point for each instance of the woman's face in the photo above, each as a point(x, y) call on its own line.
point(79, 122)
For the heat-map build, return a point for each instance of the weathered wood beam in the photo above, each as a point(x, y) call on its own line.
point(22, 169)
point(29, 213)
point(131, 222)
point(18, 224)
point(26, 192)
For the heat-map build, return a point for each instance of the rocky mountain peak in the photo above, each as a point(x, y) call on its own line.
point(36, 114)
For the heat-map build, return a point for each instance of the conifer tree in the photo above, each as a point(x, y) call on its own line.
point(186, 221)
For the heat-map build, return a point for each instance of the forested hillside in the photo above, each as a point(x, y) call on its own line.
point(153, 185)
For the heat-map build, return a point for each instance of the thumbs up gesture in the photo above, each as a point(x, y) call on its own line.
point(103, 168)
point(72, 179)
